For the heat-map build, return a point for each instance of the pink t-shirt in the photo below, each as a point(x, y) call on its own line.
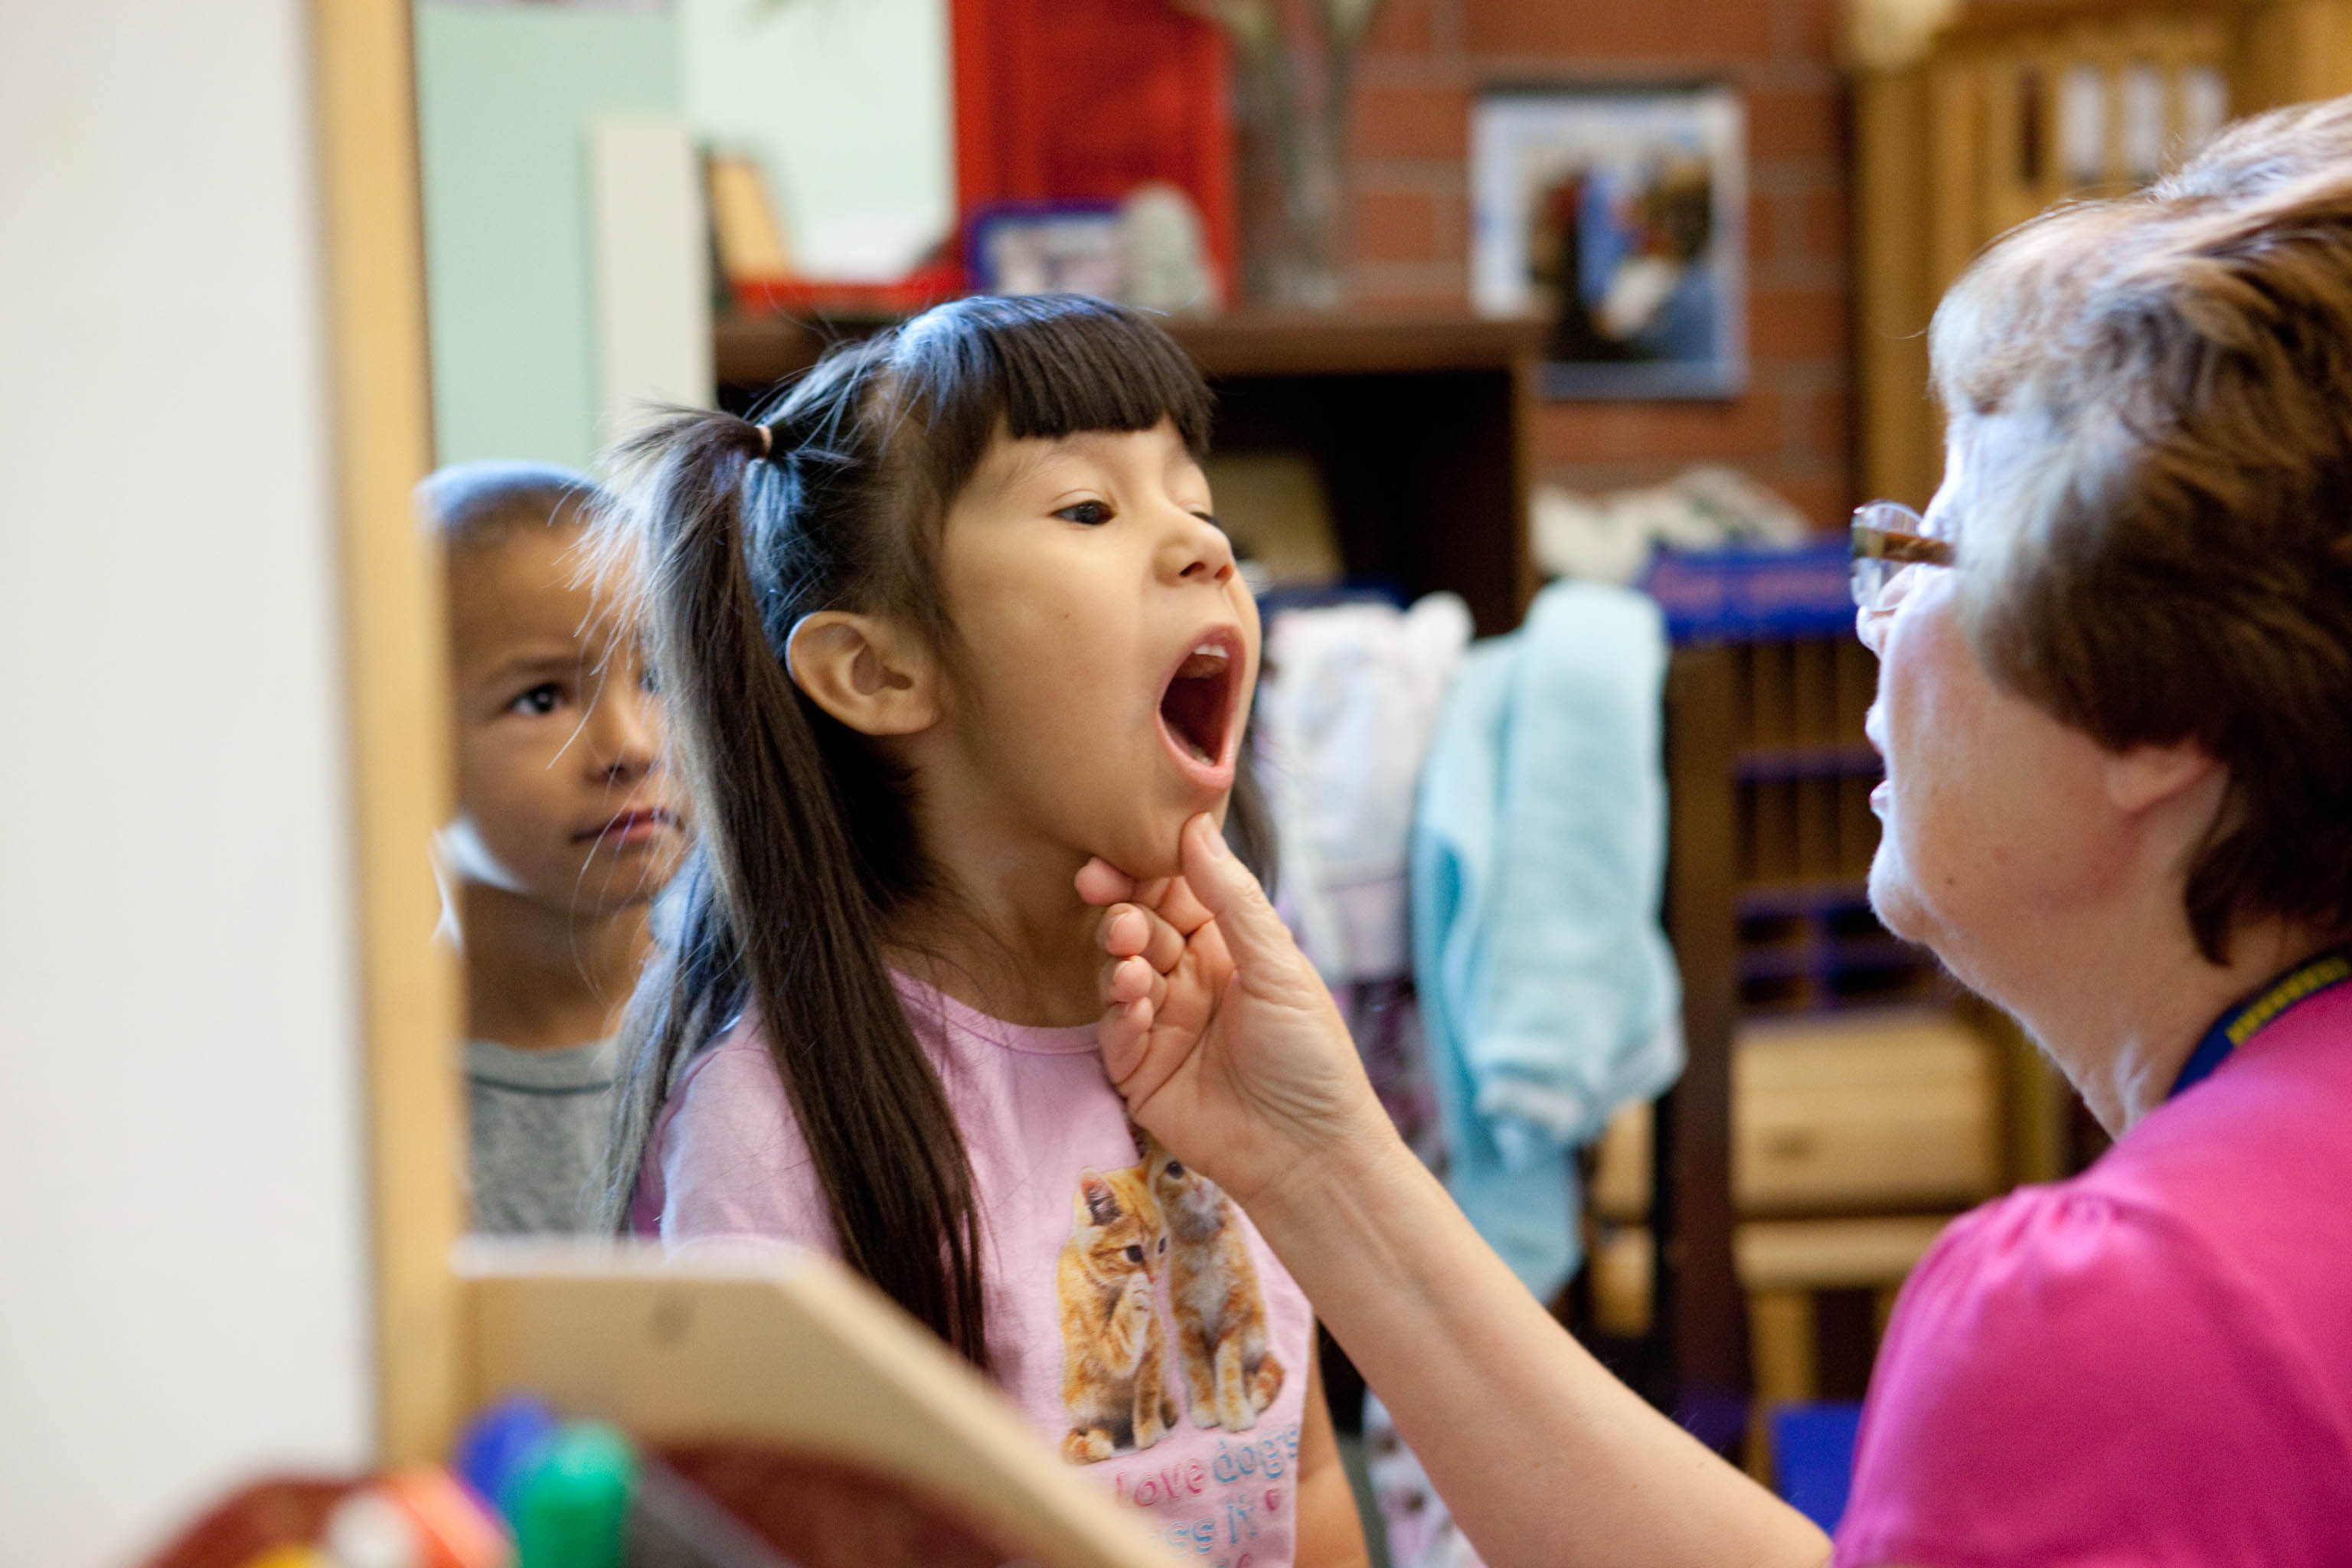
point(1134, 1313)
point(2149, 1364)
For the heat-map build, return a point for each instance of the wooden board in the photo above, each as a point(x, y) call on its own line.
point(1834, 1254)
point(784, 1349)
point(399, 702)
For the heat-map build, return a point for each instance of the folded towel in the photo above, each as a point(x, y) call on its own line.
point(1549, 995)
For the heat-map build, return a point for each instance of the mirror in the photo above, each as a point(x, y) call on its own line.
point(571, 158)
point(560, 148)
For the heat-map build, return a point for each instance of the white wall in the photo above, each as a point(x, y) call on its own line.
point(183, 1298)
point(849, 107)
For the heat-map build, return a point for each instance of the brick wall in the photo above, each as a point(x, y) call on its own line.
point(1423, 68)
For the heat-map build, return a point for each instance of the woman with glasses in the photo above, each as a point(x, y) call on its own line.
point(2115, 708)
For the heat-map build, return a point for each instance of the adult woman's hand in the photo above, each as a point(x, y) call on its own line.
point(1229, 1050)
point(1219, 1033)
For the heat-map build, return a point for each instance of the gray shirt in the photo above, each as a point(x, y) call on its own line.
point(540, 1121)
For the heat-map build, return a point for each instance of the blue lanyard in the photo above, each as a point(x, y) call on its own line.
point(2250, 1018)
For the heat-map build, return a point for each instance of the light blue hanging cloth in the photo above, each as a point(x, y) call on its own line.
point(1547, 993)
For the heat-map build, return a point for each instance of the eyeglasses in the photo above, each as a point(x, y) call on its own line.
point(1887, 537)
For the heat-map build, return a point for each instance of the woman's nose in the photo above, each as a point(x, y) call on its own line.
point(1870, 625)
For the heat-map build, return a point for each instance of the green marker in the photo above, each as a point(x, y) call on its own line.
point(571, 1505)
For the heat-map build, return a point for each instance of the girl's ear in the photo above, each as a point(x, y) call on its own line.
point(873, 674)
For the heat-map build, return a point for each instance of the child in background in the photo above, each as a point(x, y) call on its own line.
point(951, 619)
point(565, 832)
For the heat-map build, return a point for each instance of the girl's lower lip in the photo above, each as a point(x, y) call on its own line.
point(1217, 777)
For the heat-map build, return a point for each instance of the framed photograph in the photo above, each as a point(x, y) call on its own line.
point(1617, 213)
point(1045, 248)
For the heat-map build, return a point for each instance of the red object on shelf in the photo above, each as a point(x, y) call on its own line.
point(286, 1510)
point(919, 291)
point(1085, 100)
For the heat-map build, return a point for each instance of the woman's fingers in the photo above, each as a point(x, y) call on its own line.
point(1225, 891)
point(1180, 907)
point(1124, 930)
point(1130, 930)
point(1125, 1033)
point(1131, 979)
point(1100, 883)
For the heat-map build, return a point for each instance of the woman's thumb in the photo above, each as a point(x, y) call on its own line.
point(1253, 934)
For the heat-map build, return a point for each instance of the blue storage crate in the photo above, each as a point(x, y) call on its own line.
point(1812, 1457)
point(1751, 592)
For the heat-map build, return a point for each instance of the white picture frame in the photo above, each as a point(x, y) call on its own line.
point(1619, 214)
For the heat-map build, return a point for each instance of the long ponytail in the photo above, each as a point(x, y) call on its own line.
point(778, 909)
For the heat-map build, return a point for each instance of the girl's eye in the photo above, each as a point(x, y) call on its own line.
point(538, 702)
point(1093, 513)
point(1135, 1255)
point(647, 682)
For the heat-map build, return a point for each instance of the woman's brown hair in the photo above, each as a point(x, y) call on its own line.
point(832, 497)
point(2156, 398)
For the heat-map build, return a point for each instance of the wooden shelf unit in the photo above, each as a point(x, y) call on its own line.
point(1804, 771)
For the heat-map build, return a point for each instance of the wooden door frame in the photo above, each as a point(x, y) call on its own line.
point(364, 104)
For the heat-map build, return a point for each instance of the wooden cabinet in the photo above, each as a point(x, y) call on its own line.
point(1859, 1112)
point(1847, 1114)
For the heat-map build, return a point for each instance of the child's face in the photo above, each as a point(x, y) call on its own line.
point(561, 798)
point(1106, 650)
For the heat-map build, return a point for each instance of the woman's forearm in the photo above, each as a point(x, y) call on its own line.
point(1543, 1456)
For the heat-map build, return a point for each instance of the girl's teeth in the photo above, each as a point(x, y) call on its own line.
point(1202, 663)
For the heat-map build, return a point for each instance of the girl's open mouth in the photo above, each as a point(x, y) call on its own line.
point(1198, 704)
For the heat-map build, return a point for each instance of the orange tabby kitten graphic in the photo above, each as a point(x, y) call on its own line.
point(1212, 1289)
point(1114, 1350)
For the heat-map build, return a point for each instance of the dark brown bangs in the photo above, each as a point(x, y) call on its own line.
point(1040, 365)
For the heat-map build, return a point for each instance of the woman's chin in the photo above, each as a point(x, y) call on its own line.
point(1892, 898)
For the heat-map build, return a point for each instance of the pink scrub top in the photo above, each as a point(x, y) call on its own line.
point(2149, 1364)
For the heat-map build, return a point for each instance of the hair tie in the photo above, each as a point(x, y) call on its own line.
point(767, 441)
